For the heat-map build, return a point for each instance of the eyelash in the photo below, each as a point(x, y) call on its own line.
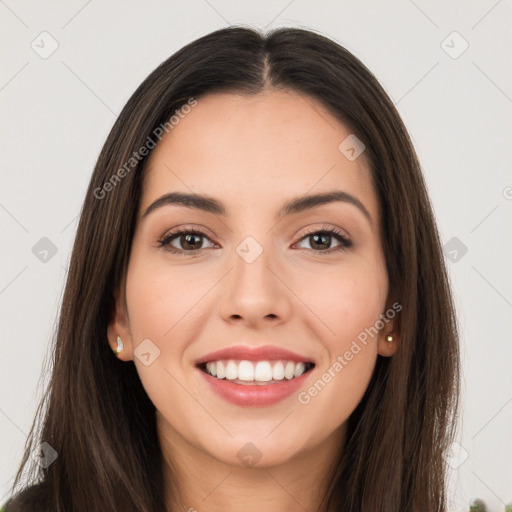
point(165, 241)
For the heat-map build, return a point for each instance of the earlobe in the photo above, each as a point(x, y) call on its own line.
point(118, 331)
point(388, 344)
point(389, 338)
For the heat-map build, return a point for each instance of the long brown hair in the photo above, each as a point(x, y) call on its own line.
point(95, 413)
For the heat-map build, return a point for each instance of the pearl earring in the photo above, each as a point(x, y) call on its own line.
point(120, 345)
point(389, 338)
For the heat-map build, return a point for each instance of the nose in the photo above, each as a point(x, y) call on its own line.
point(255, 292)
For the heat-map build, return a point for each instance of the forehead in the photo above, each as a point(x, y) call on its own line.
point(256, 150)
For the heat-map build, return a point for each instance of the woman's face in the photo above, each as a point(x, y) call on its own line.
point(251, 277)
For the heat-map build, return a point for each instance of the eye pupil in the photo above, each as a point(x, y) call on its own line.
point(188, 237)
point(321, 236)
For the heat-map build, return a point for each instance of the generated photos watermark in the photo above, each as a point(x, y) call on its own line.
point(304, 397)
point(137, 156)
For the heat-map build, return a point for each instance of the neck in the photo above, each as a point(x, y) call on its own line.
point(196, 482)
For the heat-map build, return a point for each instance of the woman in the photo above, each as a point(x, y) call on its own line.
point(257, 313)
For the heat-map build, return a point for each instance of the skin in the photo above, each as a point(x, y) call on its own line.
point(253, 154)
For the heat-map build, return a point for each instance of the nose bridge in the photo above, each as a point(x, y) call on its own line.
point(253, 241)
point(253, 290)
point(251, 262)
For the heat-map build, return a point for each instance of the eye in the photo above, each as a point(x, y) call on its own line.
point(189, 239)
point(322, 238)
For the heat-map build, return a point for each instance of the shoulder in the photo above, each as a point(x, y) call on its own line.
point(29, 499)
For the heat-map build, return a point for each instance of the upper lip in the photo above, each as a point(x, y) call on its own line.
point(261, 353)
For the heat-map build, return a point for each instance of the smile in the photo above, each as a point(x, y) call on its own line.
point(257, 372)
point(255, 383)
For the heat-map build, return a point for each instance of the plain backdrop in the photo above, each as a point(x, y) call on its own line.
point(446, 66)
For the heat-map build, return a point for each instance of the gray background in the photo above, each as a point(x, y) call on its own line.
point(57, 111)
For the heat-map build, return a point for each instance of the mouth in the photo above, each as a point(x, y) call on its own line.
point(255, 373)
point(247, 375)
point(250, 383)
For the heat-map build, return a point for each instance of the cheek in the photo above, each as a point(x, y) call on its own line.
point(156, 307)
point(350, 311)
point(346, 302)
point(151, 305)
point(158, 294)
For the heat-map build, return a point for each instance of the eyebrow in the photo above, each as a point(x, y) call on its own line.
point(211, 205)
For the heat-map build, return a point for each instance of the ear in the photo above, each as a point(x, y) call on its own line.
point(119, 325)
point(391, 328)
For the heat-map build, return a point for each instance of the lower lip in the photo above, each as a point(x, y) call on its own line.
point(255, 395)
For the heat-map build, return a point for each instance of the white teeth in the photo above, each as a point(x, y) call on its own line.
point(299, 369)
point(231, 370)
point(263, 371)
point(245, 370)
point(255, 371)
point(220, 370)
point(288, 372)
point(278, 371)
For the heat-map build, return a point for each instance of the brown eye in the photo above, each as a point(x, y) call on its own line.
point(187, 239)
point(321, 240)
